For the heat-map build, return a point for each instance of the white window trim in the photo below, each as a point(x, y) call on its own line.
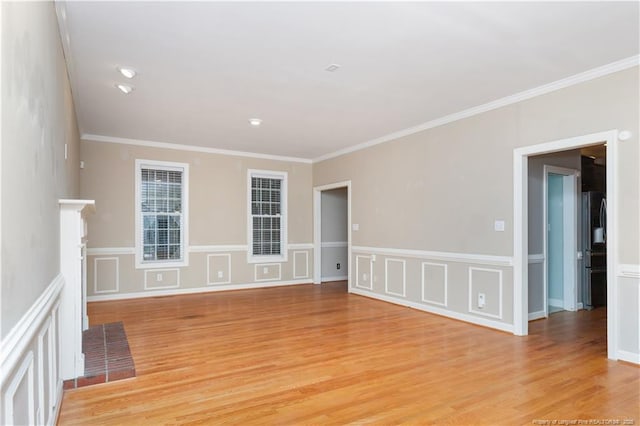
point(268, 174)
point(168, 165)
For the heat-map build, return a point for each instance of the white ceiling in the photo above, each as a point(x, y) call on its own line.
point(206, 68)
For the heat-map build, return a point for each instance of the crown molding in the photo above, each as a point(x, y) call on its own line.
point(499, 103)
point(192, 148)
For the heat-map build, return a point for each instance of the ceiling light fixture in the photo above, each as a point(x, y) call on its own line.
point(255, 122)
point(127, 72)
point(332, 68)
point(124, 88)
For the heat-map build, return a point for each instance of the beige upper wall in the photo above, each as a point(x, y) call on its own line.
point(37, 120)
point(217, 194)
point(442, 189)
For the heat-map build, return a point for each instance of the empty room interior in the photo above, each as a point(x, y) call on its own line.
point(320, 213)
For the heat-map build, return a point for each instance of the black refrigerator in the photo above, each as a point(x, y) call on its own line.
point(594, 249)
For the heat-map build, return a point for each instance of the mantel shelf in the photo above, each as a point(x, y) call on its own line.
point(90, 205)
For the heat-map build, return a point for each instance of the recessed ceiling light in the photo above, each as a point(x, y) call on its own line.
point(332, 68)
point(124, 88)
point(255, 122)
point(127, 72)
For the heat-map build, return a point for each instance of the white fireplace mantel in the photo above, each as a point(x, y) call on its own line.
point(73, 304)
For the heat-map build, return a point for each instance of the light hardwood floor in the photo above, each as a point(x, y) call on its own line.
point(317, 355)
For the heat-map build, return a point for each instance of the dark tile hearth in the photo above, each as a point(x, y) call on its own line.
point(107, 357)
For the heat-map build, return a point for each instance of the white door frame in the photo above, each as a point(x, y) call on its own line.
point(317, 229)
point(521, 221)
point(570, 235)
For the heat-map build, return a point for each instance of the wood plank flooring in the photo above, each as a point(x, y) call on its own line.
point(317, 355)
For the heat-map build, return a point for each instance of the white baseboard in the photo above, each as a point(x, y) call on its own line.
point(435, 310)
point(536, 315)
point(338, 278)
point(207, 289)
point(629, 357)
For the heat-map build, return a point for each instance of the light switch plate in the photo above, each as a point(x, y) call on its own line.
point(355, 227)
point(498, 225)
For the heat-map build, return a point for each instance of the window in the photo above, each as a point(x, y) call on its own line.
point(267, 216)
point(161, 213)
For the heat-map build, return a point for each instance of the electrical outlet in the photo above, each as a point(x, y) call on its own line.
point(337, 266)
point(365, 277)
point(159, 277)
point(265, 270)
point(220, 274)
point(481, 300)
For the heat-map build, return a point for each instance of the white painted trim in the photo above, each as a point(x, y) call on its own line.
point(629, 357)
point(317, 231)
point(520, 227)
point(110, 251)
point(436, 310)
point(445, 283)
point(45, 329)
point(95, 275)
point(300, 246)
point(370, 273)
point(628, 270)
point(336, 278)
point(537, 315)
point(334, 244)
point(195, 290)
point(218, 248)
point(499, 103)
point(17, 340)
point(56, 388)
point(404, 276)
point(306, 270)
point(184, 231)
point(500, 292)
point(228, 280)
point(86, 137)
point(26, 368)
point(163, 270)
point(284, 215)
point(480, 259)
point(255, 272)
point(536, 258)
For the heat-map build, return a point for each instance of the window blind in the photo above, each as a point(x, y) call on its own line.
point(161, 197)
point(266, 215)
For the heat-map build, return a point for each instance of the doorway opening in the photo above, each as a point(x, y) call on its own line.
point(332, 233)
point(525, 290)
point(559, 235)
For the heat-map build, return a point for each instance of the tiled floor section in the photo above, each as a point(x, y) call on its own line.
point(106, 356)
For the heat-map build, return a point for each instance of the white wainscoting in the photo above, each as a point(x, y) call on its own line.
point(429, 287)
point(213, 273)
point(100, 286)
point(390, 282)
point(364, 275)
point(29, 363)
point(296, 273)
point(427, 292)
point(153, 284)
point(498, 282)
